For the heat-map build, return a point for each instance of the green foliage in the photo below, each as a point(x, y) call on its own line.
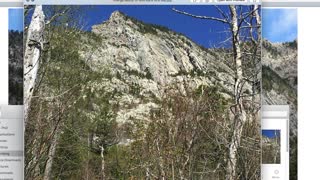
point(193, 73)
point(148, 74)
point(293, 157)
point(135, 73)
point(70, 155)
point(270, 48)
point(180, 73)
point(15, 67)
point(165, 140)
point(272, 81)
point(118, 76)
point(15, 38)
point(70, 86)
point(213, 95)
point(146, 28)
point(105, 130)
point(135, 89)
point(118, 161)
point(292, 44)
point(143, 75)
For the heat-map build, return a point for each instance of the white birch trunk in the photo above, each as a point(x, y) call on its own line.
point(52, 150)
point(102, 163)
point(257, 67)
point(258, 19)
point(240, 115)
point(31, 64)
point(34, 45)
point(88, 156)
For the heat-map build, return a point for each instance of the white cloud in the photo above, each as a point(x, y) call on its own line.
point(284, 24)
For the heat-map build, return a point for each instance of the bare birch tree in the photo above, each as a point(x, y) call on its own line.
point(33, 49)
point(239, 113)
point(235, 22)
point(44, 137)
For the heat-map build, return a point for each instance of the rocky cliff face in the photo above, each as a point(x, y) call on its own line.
point(282, 59)
point(279, 61)
point(146, 60)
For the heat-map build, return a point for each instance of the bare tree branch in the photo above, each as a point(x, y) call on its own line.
point(247, 15)
point(201, 17)
point(222, 13)
point(57, 15)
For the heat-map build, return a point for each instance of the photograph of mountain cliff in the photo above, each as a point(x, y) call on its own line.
point(142, 92)
point(279, 68)
point(271, 147)
point(15, 56)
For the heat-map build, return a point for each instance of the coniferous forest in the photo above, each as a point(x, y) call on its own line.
point(15, 67)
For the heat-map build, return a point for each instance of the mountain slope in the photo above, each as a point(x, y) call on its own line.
point(146, 59)
point(279, 61)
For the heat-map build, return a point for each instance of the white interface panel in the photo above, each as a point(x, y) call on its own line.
point(275, 142)
point(11, 142)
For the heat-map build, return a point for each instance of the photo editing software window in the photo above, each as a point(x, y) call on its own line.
point(153, 89)
point(142, 90)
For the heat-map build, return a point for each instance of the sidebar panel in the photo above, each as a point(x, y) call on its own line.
point(11, 142)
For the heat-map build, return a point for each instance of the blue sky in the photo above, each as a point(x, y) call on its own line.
point(271, 133)
point(279, 25)
point(16, 19)
point(204, 32)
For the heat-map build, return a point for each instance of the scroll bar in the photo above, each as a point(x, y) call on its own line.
point(288, 131)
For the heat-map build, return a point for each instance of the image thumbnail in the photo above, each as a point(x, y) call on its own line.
point(142, 92)
point(271, 149)
point(279, 68)
point(15, 56)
